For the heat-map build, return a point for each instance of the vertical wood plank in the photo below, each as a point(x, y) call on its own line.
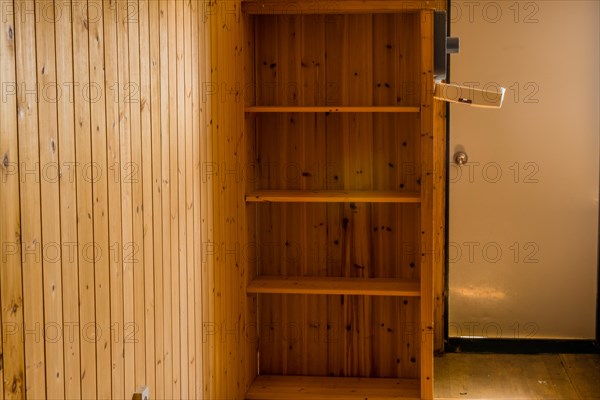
point(147, 196)
point(182, 100)
point(385, 163)
point(312, 63)
point(31, 230)
point(177, 97)
point(147, 184)
point(198, 123)
point(214, 324)
point(85, 223)
point(155, 110)
point(128, 174)
point(165, 121)
point(174, 201)
point(11, 280)
point(49, 182)
point(250, 329)
point(266, 44)
point(207, 193)
point(100, 196)
point(358, 132)
point(133, 90)
point(68, 203)
point(188, 349)
point(4, 238)
point(428, 190)
point(113, 155)
point(335, 37)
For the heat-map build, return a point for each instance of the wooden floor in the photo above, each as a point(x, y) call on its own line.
point(509, 376)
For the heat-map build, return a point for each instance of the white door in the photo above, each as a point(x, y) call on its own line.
point(523, 212)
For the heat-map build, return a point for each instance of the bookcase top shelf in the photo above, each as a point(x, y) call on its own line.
point(290, 7)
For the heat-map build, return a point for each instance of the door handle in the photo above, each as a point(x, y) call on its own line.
point(461, 158)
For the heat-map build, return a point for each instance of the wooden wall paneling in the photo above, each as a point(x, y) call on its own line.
point(181, 286)
point(11, 279)
point(85, 226)
point(358, 134)
point(157, 367)
point(198, 120)
point(242, 316)
point(249, 170)
point(98, 177)
point(68, 205)
point(408, 76)
point(188, 388)
point(146, 169)
point(245, 315)
point(122, 69)
point(165, 120)
point(133, 90)
point(31, 229)
point(335, 31)
point(49, 186)
point(428, 228)
point(174, 202)
point(127, 177)
point(229, 132)
point(4, 236)
point(217, 55)
point(219, 51)
point(113, 150)
point(312, 83)
point(269, 262)
point(293, 242)
point(383, 231)
point(207, 192)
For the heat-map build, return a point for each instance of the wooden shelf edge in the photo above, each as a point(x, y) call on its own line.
point(331, 109)
point(332, 196)
point(336, 6)
point(334, 286)
point(277, 387)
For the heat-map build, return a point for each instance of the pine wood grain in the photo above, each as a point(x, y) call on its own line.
point(428, 190)
point(100, 199)
point(50, 207)
point(11, 278)
point(113, 154)
point(30, 202)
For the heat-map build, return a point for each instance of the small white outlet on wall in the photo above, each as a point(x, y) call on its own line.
point(142, 393)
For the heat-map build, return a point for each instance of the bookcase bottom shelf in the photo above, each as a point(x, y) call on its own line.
point(277, 387)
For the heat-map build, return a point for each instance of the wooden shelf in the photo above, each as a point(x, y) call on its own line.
point(334, 286)
point(332, 196)
point(329, 109)
point(335, 6)
point(277, 387)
